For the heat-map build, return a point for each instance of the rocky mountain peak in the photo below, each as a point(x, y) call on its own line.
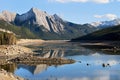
point(35, 10)
point(7, 16)
point(51, 23)
point(40, 17)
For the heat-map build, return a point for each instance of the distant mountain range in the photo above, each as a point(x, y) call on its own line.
point(107, 34)
point(105, 24)
point(39, 24)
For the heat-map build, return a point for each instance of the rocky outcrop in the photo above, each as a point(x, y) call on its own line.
point(7, 38)
point(7, 16)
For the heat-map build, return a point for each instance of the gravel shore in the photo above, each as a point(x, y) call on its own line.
point(12, 51)
point(8, 50)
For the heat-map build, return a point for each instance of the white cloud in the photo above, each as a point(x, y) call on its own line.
point(65, 1)
point(98, 16)
point(101, 1)
point(111, 16)
point(108, 16)
point(82, 1)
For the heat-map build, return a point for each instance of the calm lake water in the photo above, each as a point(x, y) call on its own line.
point(89, 65)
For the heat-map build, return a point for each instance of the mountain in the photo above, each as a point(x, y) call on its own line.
point(41, 18)
point(109, 34)
point(47, 26)
point(105, 24)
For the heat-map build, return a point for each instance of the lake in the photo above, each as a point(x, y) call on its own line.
point(90, 64)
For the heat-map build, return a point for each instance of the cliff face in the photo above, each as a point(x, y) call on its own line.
point(7, 38)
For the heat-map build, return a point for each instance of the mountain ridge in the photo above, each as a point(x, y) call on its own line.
point(105, 24)
point(47, 26)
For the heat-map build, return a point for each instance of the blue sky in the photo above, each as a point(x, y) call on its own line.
point(77, 11)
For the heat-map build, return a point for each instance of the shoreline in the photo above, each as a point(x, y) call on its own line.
point(23, 42)
point(112, 43)
point(19, 50)
point(20, 47)
point(8, 52)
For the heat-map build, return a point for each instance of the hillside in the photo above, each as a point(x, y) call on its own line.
point(108, 34)
point(21, 32)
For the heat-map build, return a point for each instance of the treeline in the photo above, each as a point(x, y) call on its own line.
point(21, 32)
point(7, 38)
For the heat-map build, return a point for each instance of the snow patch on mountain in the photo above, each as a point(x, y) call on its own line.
point(105, 24)
point(95, 24)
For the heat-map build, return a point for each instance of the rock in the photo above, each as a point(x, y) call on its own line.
point(88, 64)
point(7, 38)
point(103, 65)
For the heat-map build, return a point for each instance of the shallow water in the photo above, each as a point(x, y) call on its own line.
point(89, 65)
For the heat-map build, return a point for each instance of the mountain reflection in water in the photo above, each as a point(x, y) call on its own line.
point(90, 64)
point(33, 69)
point(62, 50)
